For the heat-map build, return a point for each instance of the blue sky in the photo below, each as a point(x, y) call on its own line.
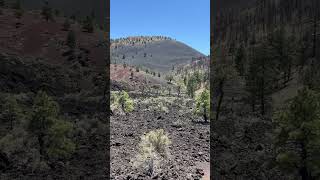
point(187, 21)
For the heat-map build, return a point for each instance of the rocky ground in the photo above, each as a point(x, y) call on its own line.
point(189, 151)
point(242, 142)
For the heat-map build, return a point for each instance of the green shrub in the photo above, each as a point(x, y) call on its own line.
point(126, 102)
point(153, 149)
point(155, 141)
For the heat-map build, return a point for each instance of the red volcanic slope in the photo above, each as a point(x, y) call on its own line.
point(33, 36)
point(120, 74)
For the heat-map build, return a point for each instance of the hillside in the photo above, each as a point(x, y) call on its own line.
point(40, 69)
point(79, 8)
point(32, 36)
point(155, 84)
point(265, 60)
point(156, 53)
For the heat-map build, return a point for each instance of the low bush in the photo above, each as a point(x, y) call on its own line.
point(153, 149)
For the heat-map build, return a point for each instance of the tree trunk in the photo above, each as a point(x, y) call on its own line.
point(262, 104)
point(11, 122)
point(253, 104)
point(303, 171)
point(220, 100)
point(314, 48)
point(41, 144)
point(205, 114)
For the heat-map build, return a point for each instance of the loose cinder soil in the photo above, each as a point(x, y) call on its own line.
point(189, 151)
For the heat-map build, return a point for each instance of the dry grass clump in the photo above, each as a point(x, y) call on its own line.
point(153, 150)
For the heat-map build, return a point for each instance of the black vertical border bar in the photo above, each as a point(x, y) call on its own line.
point(212, 20)
point(107, 84)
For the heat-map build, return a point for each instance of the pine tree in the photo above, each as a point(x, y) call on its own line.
point(2, 3)
point(17, 5)
point(203, 105)
point(11, 111)
point(126, 102)
point(223, 71)
point(261, 76)
point(283, 50)
point(71, 40)
point(88, 25)
point(240, 60)
point(18, 11)
point(50, 131)
point(169, 78)
point(66, 25)
point(191, 86)
point(47, 11)
point(299, 127)
point(311, 75)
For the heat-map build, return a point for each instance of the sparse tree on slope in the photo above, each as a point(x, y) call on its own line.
point(169, 78)
point(191, 86)
point(203, 105)
point(223, 71)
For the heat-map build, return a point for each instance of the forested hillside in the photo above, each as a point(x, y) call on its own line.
point(266, 90)
point(52, 92)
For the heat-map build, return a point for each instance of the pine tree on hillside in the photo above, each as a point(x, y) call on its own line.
point(203, 105)
point(51, 131)
point(18, 11)
point(2, 3)
point(299, 128)
point(17, 5)
point(240, 60)
point(11, 111)
point(71, 40)
point(191, 86)
point(223, 71)
point(261, 76)
point(283, 49)
point(88, 25)
point(47, 11)
point(66, 25)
